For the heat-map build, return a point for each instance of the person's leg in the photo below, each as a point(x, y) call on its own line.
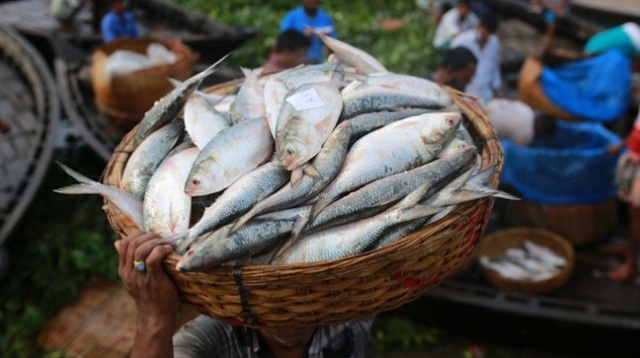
point(627, 269)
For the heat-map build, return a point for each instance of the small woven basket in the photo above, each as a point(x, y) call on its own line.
point(497, 243)
point(125, 98)
point(337, 291)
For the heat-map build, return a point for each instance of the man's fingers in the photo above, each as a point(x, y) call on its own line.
point(155, 258)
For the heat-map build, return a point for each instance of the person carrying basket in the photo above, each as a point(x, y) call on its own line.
point(156, 297)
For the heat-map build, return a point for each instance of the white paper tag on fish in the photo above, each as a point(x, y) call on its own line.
point(308, 99)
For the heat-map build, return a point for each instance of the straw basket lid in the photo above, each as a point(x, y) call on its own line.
point(337, 291)
point(496, 244)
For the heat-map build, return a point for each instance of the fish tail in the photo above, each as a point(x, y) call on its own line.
point(75, 175)
point(77, 189)
point(300, 225)
point(209, 70)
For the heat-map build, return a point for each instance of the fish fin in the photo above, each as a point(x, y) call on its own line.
point(174, 82)
point(242, 220)
point(300, 225)
point(482, 177)
point(311, 171)
point(441, 214)
point(296, 177)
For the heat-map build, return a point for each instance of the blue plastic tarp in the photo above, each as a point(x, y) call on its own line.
point(571, 166)
point(595, 89)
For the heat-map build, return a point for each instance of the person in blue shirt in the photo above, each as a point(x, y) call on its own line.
point(306, 19)
point(118, 22)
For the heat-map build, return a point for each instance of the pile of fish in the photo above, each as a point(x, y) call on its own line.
point(531, 262)
point(314, 163)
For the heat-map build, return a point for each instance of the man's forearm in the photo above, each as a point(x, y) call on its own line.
point(153, 340)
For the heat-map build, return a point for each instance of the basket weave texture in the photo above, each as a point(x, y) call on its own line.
point(125, 98)
point(337, 291)
point(497, 243)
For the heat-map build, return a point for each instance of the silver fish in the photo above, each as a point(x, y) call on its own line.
point(249, 102)
point(348, 239)
point(406, 84)
point(167, 209)
point(167, 108)
point(377, 98)
point(351, 55)
point(367, 122)
point(237, 199)
point(146, 158)
point(327, 163)
point(397, 147)
point(307, 118)
point(257, 235)
point(202, 121)
point(128, 204)
point(231, 154)
point(278, 86)
point(390, 189)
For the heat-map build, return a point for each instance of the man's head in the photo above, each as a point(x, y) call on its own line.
point(117, 6)
point(488, 25)
point(459, 66)
point(311, 6)
point(290, 48)
point(464, 8)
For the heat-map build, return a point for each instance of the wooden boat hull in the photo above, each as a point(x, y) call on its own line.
point(28, 126)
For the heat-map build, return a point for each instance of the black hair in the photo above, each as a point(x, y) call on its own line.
point(458, 58)
point(291, 40)
point(489, 21)
point(546, 124)
point(463, 2)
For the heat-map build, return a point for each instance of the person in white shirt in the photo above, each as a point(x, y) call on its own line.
point(485, 45)
point(517, 122)
point(454, 22)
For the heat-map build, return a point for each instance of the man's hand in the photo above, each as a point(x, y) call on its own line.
point(156, 298)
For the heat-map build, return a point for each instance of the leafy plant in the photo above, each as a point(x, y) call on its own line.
point(60, 243)
point(400, 332)
point(405, 50)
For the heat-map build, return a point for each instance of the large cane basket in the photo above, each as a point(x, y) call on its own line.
point(333, 292)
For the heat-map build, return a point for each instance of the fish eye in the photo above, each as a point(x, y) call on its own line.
point(289, 152)
point(195, 182)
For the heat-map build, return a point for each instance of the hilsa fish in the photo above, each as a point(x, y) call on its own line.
point(167, 108)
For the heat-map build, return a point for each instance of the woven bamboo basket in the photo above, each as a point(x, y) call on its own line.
point(530, 91)
point(337, 291)
point(126, 98)
point(581, 224)
point(496, 244)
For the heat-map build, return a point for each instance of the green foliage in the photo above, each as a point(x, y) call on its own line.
point(399, 332)
point(60, 243)
point(406, 50)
